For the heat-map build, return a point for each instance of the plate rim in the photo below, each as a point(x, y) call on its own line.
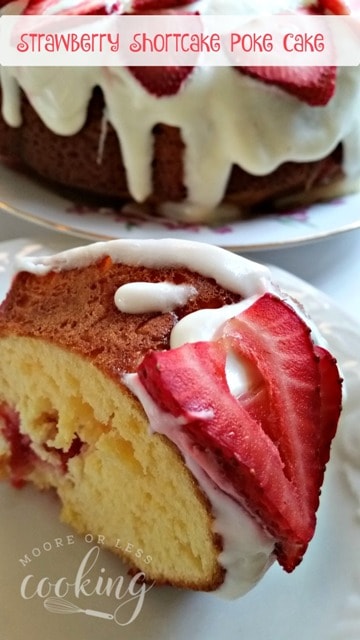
point(75, 231)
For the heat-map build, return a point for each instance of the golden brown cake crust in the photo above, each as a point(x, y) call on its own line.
point(75, 309)
point(73, 161)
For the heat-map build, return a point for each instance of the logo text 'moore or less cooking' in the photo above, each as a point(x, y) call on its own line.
point(88, 579)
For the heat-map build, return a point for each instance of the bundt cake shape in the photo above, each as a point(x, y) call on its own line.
point(175, 400)
point(196, 143)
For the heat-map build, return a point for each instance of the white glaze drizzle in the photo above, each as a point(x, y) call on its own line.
point(148, 297)
point(245, 122)
point(247, 549)
point(231, 271)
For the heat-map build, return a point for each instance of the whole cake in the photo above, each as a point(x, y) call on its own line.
point(176, 400)
point(196, 143)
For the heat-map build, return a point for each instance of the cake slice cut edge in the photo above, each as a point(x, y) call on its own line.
point(123, 483)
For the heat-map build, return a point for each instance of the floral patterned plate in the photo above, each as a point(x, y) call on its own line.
point(25, 197)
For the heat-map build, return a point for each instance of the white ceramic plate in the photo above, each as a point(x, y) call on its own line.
point(25, 197)
point(321, 600)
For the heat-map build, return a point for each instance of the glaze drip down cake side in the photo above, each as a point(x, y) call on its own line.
point(197, 144)
point(174, 397)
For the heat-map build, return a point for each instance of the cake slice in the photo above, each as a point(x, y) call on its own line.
point(176, 401)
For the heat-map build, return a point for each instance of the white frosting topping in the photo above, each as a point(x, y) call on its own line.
point(247, 549)
point(225, 118)
point(148, 297)
point(233, 272)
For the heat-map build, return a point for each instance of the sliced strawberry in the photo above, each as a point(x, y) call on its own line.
point(267, 451)
point(140, 6)
point(313, 85)
point(336, 7)
point(272, 336)
point(96, 7)
point(217, 423)
point(161, 81)
point(78, 7)
point(330, 392)
point(257, 403)
point(173, 390)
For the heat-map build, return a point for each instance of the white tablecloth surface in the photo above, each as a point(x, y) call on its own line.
point(331, 265)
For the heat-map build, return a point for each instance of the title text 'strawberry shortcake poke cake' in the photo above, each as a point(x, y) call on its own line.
point(172, 395)
point(192, 143)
